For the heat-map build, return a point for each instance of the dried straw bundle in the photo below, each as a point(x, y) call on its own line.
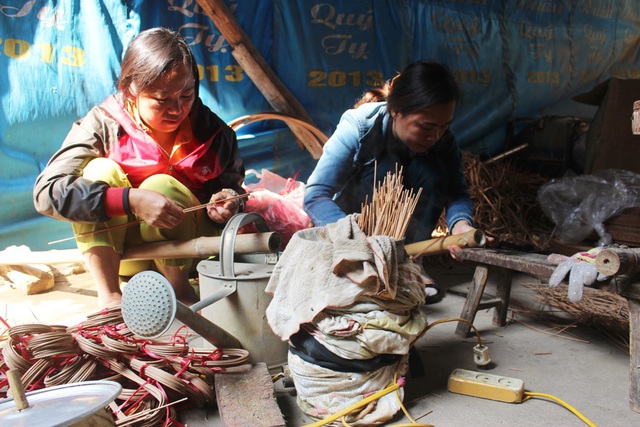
point(390, 209)
point(504, 198)
point(602, 310)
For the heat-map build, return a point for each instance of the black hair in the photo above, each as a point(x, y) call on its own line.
point(420, 85)
point(150, 55)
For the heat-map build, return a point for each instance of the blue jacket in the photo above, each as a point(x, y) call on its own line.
point(344, 175)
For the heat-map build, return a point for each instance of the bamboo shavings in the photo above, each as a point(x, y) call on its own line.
point(36, 371)
point(390, 209)
point(604, 311)
point(11, 355)
point(51, 344)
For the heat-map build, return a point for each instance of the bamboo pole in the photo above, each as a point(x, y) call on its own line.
point(252, 62)
point(471, 239)
point(613, 261)
point(17, 390)
point(201, 247)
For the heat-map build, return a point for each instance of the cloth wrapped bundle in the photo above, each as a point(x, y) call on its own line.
point(350, 307)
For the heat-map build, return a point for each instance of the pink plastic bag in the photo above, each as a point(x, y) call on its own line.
point(279, 201)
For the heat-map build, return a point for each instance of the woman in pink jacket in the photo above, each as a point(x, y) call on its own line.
point(142, 157)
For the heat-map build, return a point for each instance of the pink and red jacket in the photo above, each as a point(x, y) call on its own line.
point(209, 162)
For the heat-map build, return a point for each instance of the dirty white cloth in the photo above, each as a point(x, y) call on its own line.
point(331, 266)
point(366, 335)
point(373, 326)
point(321, 392)
point(355, 298)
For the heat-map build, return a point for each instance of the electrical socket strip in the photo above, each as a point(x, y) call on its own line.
point(487, 386)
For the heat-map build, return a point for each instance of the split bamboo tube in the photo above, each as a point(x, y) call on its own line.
point(471, 239)
point(204, 247)
point(201, 247)
point(390, 209)
point(612, 261)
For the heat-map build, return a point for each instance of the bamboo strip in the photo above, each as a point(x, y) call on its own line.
point(217, 202)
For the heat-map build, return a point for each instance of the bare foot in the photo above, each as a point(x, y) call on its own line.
point(109, 301)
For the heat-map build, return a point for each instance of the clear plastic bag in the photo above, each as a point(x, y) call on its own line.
point(578, 205)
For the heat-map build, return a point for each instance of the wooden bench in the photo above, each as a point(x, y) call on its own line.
point(497, 266)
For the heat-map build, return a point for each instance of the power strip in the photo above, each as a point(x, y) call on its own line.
point(487, 386)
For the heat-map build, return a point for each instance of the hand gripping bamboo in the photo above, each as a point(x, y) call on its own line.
point(471, 239)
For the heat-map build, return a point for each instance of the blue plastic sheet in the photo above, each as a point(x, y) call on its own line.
point(513, 59)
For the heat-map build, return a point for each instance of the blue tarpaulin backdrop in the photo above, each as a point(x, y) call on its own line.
point(513, 58)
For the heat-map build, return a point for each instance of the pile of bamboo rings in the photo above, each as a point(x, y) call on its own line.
point(156, 376)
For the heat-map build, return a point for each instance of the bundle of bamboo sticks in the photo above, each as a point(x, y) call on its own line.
point(390, 209)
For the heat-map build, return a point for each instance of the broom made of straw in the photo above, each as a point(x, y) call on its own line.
point(390, 209)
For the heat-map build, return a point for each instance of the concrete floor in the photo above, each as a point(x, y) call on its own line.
point(581, 366)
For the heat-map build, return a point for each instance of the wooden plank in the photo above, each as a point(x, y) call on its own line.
point(503, 279)
point(490, 303)
point(259, 71)
point(632, 291)
point(523, 262)
point(472, 302)
point(246, 397)
point(623, 285)
point(634, 355)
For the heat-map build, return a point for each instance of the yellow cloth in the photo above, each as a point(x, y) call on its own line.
point(590, 255)
point(194, 224)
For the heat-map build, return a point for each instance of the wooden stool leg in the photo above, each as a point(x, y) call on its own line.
point(473, 300)
point(634, 355)
point(503, 293)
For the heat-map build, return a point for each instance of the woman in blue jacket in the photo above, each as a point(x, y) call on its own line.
point(411, 130)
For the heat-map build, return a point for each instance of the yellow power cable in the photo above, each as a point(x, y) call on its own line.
point(346, 411)
point(456, 319)
point(397, 385)
point(528, 395)
point(363, 402)
point(414, 423)
point(389, 389)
